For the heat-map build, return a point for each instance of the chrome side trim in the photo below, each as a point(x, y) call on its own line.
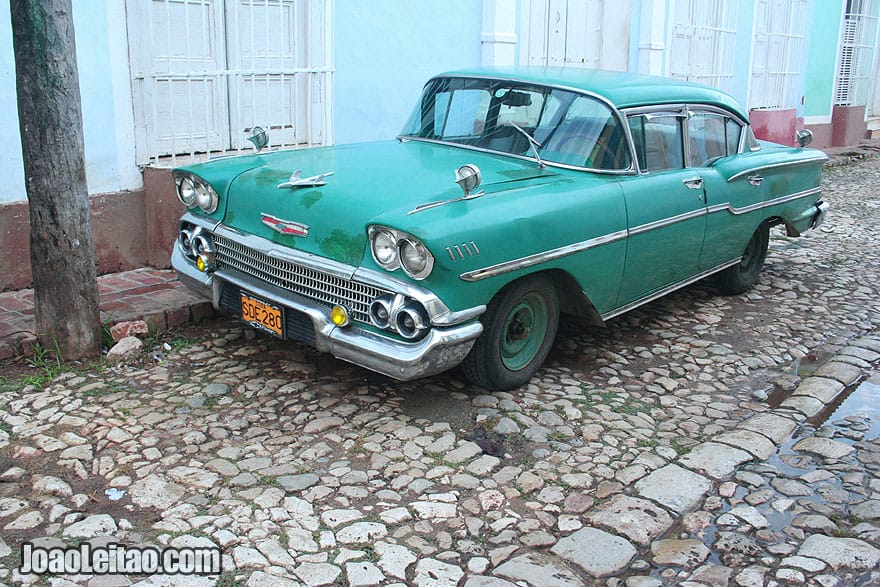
point(437, 204)
point(760, 205)
point(464, 251)
point(667, 221)
point(543, 257)
point(668, 289)
point(811, 161)
point(553, 254)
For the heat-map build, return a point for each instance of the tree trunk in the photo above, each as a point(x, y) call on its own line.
point(50, 120)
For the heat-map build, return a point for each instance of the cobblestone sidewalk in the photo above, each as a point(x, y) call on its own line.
point(683, 444)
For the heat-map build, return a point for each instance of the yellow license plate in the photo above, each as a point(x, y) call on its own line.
point(261, 315)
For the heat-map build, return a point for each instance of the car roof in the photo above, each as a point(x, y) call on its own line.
point(623, 89)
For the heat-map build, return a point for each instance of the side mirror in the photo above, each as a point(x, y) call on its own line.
point(259, 137)
point(804, 137)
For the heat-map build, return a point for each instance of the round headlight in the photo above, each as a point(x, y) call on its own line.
point(186, 191)
point(205, 198)
point(385, 249)
point(415, 258)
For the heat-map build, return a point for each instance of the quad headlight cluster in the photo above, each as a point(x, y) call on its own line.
point(193, 191)
point(197, 245)
point(393, 249)
point(400, 314)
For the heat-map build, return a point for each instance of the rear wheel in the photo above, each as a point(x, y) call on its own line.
point(742, 276)
point(519, 328)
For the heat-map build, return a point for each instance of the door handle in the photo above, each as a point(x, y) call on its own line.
point(695, 183)
point(755, 180)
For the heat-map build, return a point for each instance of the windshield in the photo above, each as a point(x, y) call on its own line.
point(567, 127)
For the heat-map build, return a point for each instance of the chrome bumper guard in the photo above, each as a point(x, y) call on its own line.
point(441, 349)
point(821, 213)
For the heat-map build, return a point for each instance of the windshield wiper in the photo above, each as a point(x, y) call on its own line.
point(533, 143)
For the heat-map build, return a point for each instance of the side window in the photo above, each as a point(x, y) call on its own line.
point(734, 132)
point(464, 116)
point(658, 141)
point(707, 138)
point(751, 142)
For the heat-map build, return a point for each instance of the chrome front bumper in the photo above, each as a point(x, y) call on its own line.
point(441, 349)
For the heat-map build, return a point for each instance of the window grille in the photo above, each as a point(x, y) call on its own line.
point(204, 72)
point(778, 52)
point(703, 42)
point(857, 53)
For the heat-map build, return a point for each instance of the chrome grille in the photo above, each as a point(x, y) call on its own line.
point(319, 286)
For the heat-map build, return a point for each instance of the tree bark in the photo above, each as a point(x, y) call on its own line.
point(50, 120)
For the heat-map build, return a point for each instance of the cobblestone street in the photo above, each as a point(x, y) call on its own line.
point(693, 441)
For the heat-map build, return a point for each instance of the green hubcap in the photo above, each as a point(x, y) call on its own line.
point(524, 330)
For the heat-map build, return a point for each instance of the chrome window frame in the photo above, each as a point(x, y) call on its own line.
point(615, 112)
point(685, 111)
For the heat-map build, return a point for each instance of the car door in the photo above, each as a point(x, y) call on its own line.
point(733, 195)
point(665, 204)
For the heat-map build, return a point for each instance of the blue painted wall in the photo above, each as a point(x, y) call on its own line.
point(10, 156)
point(742, 69)
point(108, 133)
point(385, 51)
point(822, 55)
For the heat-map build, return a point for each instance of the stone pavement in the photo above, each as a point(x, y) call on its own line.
point(690, 442)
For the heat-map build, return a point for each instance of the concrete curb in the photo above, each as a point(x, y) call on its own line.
point(684, 484)
point(758, 437)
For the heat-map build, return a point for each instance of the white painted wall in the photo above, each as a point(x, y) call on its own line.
point(105, 89)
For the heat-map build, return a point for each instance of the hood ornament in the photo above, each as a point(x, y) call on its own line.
point(297, 181)
point(468, 178)
point(286, 227)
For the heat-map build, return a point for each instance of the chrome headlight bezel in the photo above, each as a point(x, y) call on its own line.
point(388, 247)
point(378, 236)
point(424, 260)
point(194, 192)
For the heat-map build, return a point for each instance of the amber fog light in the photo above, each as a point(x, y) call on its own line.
point(339, 316)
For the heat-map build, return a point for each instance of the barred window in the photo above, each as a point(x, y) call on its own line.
point(204, 72)
point(703, 42)
point(857, 52)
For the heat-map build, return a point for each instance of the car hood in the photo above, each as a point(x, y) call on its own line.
point(369, 180)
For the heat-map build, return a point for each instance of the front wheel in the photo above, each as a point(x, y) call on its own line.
point(742, 276)
point(519, 328)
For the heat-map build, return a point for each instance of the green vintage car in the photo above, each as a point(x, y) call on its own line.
point(512, 196)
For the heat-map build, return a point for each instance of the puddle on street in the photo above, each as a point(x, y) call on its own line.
point(860, 407)
point(809, 363)
point(854, 419)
